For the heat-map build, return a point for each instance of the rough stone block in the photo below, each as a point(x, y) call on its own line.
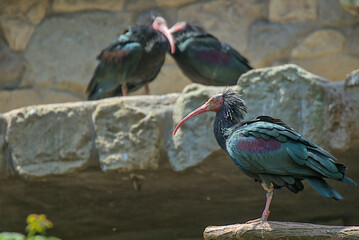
point(47, 140)
point(126, 137)
point(351, 89)
point(311, 105)
point(320, 43)
point(174, 3)
point(333, 67)
point(271, 41)
point(83, 5)
point(331, 14)
point(31, 10)
point(223, 17)
point(11, 67)
point(69, 53)
point(26, 97)
point(17, 32)
point(292, 10)
point(4, 158)
point(351, 6)
point(195, 140)
point(352, 41)
point(352, 79)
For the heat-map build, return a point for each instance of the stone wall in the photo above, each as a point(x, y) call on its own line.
point(48, 48)
point(133, 132)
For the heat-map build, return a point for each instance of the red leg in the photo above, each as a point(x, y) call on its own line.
point(266, 211)
point(269, 194)
point(124, 89)
point(147, 88)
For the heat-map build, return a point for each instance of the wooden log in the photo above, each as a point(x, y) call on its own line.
point(280, 230)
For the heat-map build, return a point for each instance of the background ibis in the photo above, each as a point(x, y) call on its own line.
point(135, 57)
point(204, 59)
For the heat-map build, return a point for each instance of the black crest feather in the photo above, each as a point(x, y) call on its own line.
point(234, 105)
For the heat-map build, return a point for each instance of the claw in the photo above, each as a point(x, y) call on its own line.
point(258, 220)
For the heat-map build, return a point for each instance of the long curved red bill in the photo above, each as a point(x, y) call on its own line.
point(166, 32)
point(199, 110)
point(178, 26)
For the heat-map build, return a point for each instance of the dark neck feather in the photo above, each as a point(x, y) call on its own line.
point(230, 114)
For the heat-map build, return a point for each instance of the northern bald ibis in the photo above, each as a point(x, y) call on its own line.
point(135, 57)
point(204, 59)
point(269, 151)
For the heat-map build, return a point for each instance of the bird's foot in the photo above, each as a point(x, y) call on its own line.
point(263, 219)
point(258, 220)
point(265, 216)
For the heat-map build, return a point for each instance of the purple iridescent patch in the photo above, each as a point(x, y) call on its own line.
point(258, 145)
point(213, 56)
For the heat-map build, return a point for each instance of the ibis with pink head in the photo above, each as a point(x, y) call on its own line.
point(134, 58)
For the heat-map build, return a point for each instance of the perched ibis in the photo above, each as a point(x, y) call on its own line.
point(135, 57)
point(269, 151)
point(204, 59)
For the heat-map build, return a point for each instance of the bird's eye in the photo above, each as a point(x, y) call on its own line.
point(212, 100)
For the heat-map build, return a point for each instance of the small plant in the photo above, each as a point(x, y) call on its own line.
point(37, 224)
point(36, 228)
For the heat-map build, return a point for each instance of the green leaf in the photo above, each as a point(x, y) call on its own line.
point(11, 236)
point(40, 237)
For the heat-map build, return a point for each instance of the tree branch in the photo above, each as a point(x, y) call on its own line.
point(280, 230)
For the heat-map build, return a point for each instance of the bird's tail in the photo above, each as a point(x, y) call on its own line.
point(323, 188)
point(342, 169)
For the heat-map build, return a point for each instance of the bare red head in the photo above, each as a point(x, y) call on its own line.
point(159, 24)
point(214, 104)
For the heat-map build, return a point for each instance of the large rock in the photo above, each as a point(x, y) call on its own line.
point(352, 80)
point(269, 41)
point(138, 5)
point(352, 41)
point(174, 3)
point(61, 138)
point(293, 10)
point(351, 6)
point(25, 97)
point(195, 140)
point(333, 67)
point(320, 43)
point(47, 140)
point(331, 14)
point(351, 90)
point(17, 32)
point(69, 53)
point(126, 137)
point(308, 103)
point(85, 5)
point(11, 67)
point(18, 19)
point(3, 147)
point(30, 10)
point(223, 17)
